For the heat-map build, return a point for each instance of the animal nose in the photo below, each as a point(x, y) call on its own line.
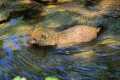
point(32, 41)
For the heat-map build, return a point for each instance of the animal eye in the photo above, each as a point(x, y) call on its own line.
point(43, 36)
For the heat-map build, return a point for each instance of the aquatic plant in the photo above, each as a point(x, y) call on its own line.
point(19, 78)
point(51, 78)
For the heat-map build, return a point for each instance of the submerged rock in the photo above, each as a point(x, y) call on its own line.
point(59, 19)
point(69, 37)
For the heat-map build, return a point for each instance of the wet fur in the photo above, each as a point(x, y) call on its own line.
point(72, 36)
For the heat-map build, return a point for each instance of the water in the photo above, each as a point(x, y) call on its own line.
point(96, 60)
point(22, 61)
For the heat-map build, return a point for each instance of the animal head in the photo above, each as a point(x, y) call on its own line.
point(40, 36)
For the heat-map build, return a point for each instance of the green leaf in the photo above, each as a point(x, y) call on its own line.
point(51, 78)
point(19, 78)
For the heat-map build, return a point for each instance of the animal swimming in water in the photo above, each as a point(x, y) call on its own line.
point(69, 37)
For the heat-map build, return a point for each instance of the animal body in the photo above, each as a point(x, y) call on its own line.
point(69, 37)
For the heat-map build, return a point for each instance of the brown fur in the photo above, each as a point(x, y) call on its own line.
point(72, 36)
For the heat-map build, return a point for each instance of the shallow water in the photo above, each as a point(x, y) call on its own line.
point(76, 63)
point(96, 60)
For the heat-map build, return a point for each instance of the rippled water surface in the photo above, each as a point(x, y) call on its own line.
point(96, 60)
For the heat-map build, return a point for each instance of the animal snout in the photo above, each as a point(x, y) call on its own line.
point(32, 41)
